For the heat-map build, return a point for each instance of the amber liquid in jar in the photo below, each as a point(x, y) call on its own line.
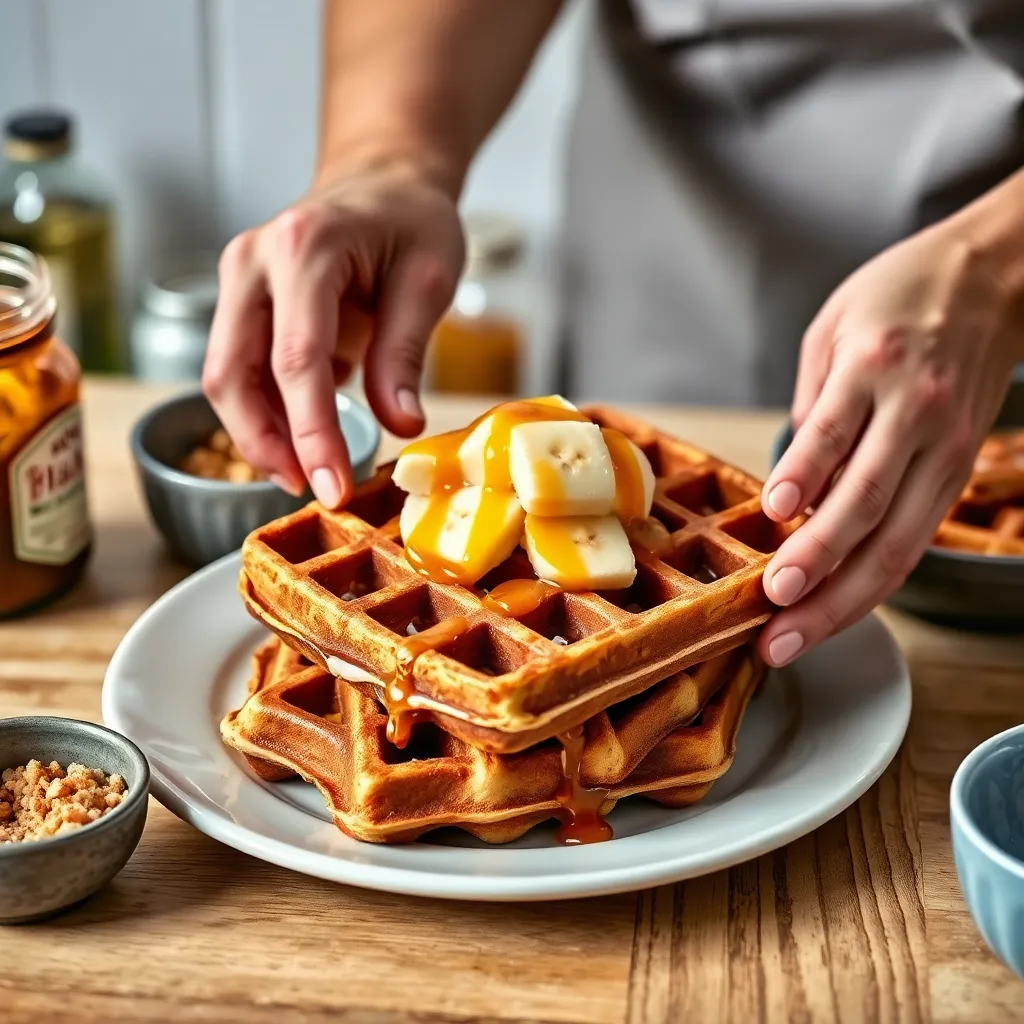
point(44, 526)
point(476, 355)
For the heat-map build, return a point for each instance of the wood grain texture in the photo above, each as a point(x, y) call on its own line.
point(860, 921)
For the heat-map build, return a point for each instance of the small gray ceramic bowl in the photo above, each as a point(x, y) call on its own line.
point(40, 879)
point(986, 803)
point(201, 519)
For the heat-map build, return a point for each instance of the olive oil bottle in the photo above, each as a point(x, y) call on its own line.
point(53, 206)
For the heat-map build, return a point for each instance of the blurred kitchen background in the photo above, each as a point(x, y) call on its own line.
point(198, 119)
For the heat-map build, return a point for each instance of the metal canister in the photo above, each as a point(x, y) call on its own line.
point(171, 329)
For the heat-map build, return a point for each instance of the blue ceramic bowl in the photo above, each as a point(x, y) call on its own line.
point(201, 519)
point(987, 818)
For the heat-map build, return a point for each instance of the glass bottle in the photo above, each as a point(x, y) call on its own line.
point(45, 533)
point(52, 205)
point(478, 347)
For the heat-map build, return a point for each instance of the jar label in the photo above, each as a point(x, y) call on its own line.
point(49, 515)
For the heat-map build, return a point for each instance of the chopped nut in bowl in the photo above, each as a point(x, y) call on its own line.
point(218, 459)
point(65, 831)
point(202, 495)
point(38, 801)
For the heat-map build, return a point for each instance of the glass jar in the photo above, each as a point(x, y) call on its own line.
point(478, 347)
point(45, 533)
point(52, 205)
point(171, 329)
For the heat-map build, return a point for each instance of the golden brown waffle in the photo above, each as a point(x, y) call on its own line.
point(989, 516)
point(337, 586)
point(299, 720)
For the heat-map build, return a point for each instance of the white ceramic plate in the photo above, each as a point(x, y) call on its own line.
point(814, 739)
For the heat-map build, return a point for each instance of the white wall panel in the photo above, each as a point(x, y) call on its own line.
point(22, 80)
point(133, 72)
point(265, 91)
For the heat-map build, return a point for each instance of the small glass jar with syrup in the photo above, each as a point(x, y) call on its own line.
point(45, 532)
point(479, 345)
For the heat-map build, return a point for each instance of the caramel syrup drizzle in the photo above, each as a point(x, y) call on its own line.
point(582, 822)
point(516, 598)
point(400, 688)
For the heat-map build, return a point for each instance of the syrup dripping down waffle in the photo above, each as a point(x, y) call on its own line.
point(988, 518)
point(336, 586)
point(299, 720)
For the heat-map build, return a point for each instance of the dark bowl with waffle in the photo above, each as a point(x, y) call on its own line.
point(972, 575)
point(505, 718)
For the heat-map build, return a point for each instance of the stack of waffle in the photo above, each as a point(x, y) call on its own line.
point(988, 518)
point(413, 705)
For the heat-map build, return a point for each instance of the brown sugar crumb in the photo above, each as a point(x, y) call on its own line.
point(219, 459)
point(39, 801)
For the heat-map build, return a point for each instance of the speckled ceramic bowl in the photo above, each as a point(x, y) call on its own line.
point(40, 879)
point(986, 804)
point(201, 519)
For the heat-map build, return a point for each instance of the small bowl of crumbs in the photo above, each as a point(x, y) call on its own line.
point(202, 495)
point(73, 802)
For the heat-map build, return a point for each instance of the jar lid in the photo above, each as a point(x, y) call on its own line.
point(183, 293)
point(35, 135)
point(494, 241)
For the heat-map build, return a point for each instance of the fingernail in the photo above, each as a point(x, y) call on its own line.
point(788, 584)
point(785, 647)
point(284, 484)
point(409, 403)
point(784, 499)
point(325, 486)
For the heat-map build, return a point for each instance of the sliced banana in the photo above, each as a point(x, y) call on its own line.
point(414, 473)
point(460, 535)
point(556, 400)
point(430, 464)
point(460, 458)
point(483, 453)
point(561, 468)
point(580, 552)
point(634, 478)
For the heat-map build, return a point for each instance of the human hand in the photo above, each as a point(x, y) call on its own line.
point(901, 376)
point(358, 271)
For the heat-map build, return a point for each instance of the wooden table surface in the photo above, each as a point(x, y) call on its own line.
point(860, 921)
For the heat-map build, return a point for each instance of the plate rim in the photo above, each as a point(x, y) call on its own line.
point(425, 882)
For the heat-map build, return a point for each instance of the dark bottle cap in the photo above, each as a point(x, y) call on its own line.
point(34, 135)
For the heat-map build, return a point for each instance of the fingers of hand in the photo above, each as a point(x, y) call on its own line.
point(818, 450)
point(233, 377)
point(815, 359)
point(849, 513)
point(307, 288)
point(874, 571)
point(418, 291)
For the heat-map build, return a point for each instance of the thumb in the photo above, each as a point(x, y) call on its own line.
point(416, 294)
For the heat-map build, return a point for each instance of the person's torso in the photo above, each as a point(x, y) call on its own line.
point(733, 160)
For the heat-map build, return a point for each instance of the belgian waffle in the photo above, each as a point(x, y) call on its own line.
point(299, 720)
point(336, 586)
point(989, 516)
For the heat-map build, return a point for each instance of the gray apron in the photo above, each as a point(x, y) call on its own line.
point(731, 161)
